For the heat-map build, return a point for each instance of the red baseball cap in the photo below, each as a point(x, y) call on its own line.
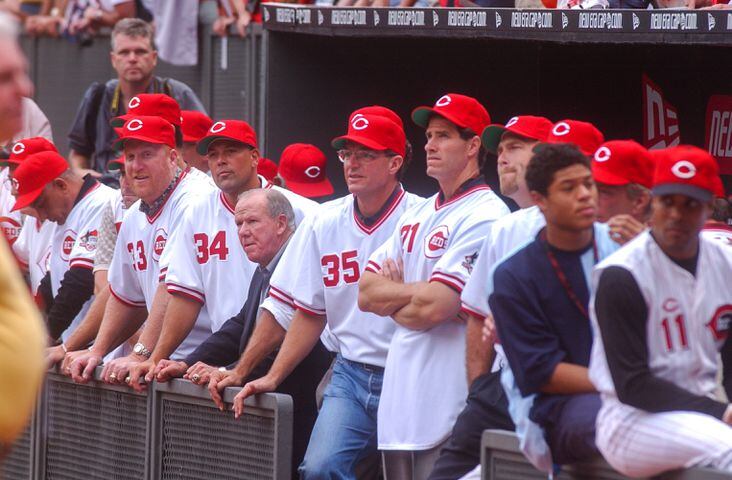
point(372, 131)
point(150, 105)
point(302, 166)
point(265, 167)
point(536, 128)
point(194, 125)
point(620, 162)
point(34, 173)
point(380, 111)
point(582, 134)
point(236, 130)
point(463, 111)
point(147, 129)
point(687, 170)
point(26, 147)
point(116, 163)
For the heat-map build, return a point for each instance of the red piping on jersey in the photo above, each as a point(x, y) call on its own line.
point(369, 230)
point(185, 291)
point(126, 302)
point(470, 311)
point(264, 182)
point(225, 201)
point(716, 227)
point(162, 207)
point(281, 296)
point(82, 263)
point(372, 266)
point(307, 309)
point(460, 196)
point(449, 277)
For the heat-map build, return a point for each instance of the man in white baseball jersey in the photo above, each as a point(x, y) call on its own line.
point(83, 335)
point(661, 311)
point(165, 192)
point(329, 253)
point(75, 203)
point(487, 406)
point(204, 254)
point(623, 172)
point(416, 278)
point(33, 245)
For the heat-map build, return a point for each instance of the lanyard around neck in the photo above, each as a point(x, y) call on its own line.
point(560, 273)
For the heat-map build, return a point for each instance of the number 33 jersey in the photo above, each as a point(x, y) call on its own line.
point(320, 270)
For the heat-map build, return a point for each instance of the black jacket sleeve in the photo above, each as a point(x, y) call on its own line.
point(76, 288)
point(82, 136)
point(222, 347)
point(622, 316)
point(45, 292)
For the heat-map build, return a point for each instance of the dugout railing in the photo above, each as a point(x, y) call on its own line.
point(171, 431)
point(502, 459)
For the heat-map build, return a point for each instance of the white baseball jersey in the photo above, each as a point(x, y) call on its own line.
point(320, 270)
point(200, 176)
point(135, 273)
point(688, 321)
point(687, 314)
point(33, 249)
point(10, 222)
point(74, 242)
point(206, 262)
point(507, 235)
point(425, 384)
point(718, 232)
point(118, 208)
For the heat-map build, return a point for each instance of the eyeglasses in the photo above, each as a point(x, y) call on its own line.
point(361, 156)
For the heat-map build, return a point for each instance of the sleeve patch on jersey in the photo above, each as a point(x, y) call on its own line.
point(88, 241)
point(469, 262)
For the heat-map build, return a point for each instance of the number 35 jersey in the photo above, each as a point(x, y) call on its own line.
point(320, 270)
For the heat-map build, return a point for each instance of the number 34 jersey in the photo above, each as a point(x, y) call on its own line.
point(320, 270)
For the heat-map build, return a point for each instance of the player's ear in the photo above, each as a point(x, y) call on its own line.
point(539, 200)
point(395, 164)
point(255, 157)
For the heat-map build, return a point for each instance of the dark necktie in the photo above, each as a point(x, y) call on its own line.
point(259, 283)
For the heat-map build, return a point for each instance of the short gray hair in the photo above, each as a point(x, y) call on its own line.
point(9, 28)
point(277, 204)
point(134, 27)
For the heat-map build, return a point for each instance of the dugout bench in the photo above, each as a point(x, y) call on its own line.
point(502, 459)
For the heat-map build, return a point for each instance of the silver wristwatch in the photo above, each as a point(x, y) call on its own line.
point(140, 349)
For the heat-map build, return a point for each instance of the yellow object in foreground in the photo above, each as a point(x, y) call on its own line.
point(22, 343)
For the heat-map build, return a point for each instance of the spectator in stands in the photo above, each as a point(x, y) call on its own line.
point(23, 335)
point(623, 173)
point(111, 221)
point(48, 20)
point(84, 18)
point(266, 222)
point(233, 12)
point(133, 58)
point(540, 303)
point(416, 278)
point(194, 125)
point(303, 168)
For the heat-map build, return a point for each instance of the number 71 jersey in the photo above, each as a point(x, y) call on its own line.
point(320, 270)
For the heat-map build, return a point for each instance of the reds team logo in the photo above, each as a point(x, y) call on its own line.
point(134, 125)
point(359, 122)
point(18, 148)
point(670, 305)
point(561, 129)
point(720, 322)
point(10, 228)
point(69, 239)
point(602, 154)
point(217, 127)
point(435, 243)
point(443, 101)
point(134, 103)
point(161, 237)
point(513, 121)
point(684, 169)
point(89, 240)
point(312, 171)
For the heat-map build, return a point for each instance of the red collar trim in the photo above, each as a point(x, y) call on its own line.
point(264, 182)
point(459, 196)
point(226, 203)
point(152, 219)
point(717, 226)
point(368, 230)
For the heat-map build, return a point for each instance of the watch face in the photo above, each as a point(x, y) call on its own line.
point(137, 349)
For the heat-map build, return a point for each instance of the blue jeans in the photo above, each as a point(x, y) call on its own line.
point(345, 431)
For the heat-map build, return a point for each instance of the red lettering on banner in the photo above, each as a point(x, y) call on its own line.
point(718, 132)
point(660, 118)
